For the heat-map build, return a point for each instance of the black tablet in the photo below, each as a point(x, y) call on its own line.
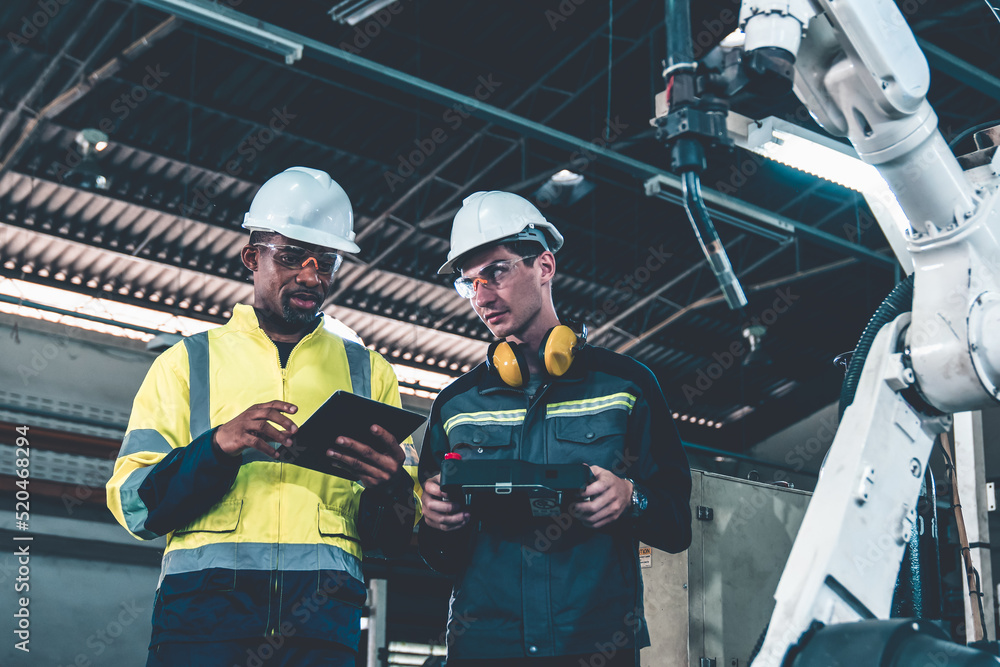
point(544, 486)
point(349, 415)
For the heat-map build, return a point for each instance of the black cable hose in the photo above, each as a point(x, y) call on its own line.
point(900, 300)
point(697, 211)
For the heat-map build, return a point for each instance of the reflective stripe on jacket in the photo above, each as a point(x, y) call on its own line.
point(254, 546)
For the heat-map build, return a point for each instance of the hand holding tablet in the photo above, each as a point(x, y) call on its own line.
point(344, 425)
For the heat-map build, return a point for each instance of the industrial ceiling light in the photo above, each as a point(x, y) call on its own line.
point(88, 175)
point(73, 309)
point(739, 413)
point(352, 12)
point(564, 188)
point(91, 141)
point(567, 177)
point(825, 158)
point(754, 335)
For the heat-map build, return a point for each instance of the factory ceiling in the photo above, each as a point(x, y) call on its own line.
point(197, 120)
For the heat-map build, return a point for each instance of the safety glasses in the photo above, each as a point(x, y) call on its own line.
point(294, 257)
point(493, 276)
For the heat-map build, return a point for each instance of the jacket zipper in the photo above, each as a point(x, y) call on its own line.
point(272, 629)
point(281, 478)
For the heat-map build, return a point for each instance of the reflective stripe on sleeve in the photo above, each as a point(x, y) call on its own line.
point(133, 508)
point(144, 440)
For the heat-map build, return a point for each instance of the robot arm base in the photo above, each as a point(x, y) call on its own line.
point(899, 642)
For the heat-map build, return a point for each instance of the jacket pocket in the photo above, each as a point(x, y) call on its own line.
point(223, 518)
point(595, 439)
point(333, 522)
point(487, 441)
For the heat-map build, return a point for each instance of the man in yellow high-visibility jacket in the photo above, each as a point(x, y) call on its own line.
point(263, 558)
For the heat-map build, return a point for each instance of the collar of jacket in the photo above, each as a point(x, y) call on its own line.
point(245, 319)
point(491, 382)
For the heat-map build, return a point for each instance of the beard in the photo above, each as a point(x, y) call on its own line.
point(297, 317)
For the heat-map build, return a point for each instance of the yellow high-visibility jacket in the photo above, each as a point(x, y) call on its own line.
point(254, 546)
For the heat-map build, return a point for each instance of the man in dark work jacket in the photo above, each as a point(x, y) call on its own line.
point(557, 590)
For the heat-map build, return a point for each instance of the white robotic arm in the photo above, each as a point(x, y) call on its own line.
point(858, 69)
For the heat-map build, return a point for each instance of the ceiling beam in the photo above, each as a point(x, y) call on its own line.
point(29, 98)
point(70, 96)
point(961, 71)
point(220, 18)
point(484, 131)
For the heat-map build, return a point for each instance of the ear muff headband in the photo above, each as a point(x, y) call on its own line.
point(509, 363)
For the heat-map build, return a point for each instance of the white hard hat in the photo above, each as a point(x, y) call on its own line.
point(305, 205)
point(490, 218)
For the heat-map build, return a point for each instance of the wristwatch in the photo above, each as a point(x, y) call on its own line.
point(639, 500)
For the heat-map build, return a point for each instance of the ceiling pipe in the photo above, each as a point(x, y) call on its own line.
point(223, 19)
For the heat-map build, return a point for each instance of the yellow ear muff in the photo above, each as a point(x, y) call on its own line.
point(509, 363)
point(558, 349)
